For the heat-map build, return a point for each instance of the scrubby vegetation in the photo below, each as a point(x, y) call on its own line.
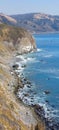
point(11, 33)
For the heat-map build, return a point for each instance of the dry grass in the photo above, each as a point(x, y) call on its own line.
point(7, 119)
point(4, 51)
point(11, 33)
point(14, 34)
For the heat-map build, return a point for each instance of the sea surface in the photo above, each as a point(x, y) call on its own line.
point(41, 68)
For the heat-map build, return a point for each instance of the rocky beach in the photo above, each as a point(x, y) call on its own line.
point(23, 95)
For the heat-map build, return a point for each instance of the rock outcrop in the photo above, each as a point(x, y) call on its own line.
point(17, 39)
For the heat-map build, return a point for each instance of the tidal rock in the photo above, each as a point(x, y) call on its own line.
point(28, 86)
point(28, 82)
point(47, 92)
point(26, 94)
point(46, 101)
point(23, 66)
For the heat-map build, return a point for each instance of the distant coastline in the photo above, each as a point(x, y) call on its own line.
point(33, 22)
point(57, 32)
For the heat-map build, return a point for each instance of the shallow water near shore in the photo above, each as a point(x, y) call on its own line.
point(41, 68)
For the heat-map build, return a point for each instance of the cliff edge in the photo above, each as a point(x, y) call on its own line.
point(17, 39)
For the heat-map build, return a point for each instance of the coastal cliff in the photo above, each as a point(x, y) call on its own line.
point(13, 114)
point(17, 39)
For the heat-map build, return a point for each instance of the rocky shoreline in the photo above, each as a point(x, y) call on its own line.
point(27, 117)
point(38, 123)
point(14, 115)
point(50, 124)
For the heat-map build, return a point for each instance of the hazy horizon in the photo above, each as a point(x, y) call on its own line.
point(24, 7)
point(29, 13)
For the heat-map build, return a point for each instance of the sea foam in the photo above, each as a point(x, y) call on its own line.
point(39, 50)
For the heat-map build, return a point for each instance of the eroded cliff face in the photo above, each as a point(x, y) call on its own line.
point(17, 39)
point(13, 115)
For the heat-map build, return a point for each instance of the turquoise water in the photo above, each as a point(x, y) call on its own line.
point(42, 69)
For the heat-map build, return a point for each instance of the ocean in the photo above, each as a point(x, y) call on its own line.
point(41, 71)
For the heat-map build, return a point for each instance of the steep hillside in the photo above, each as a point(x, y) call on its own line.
point(7, 116)
point(13, 114)
point(37, 22)
point(7, 19)
point(17, 38)
point(34, 22)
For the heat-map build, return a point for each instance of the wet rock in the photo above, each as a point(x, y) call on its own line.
point(31, 101)
point(46, 101)
point(23, 66)
point(26, 94)
point(47, 92)
point(28, 86)
point(25, 79)
point(28, 82)
point(51, 125)
point(15, 66)
point(19, 98)
point(34, 93)
point(32, 98)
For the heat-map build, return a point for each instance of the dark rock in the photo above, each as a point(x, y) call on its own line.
point(46, 101)
point(31, 97)
point(28, 86)
point(39, 111)
point(15, 66)
point(26, 94)
point(28, 82)
point(47, 92)
point(23, 66)
point(34, 93)
point(31, 100)
point(25, 79)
